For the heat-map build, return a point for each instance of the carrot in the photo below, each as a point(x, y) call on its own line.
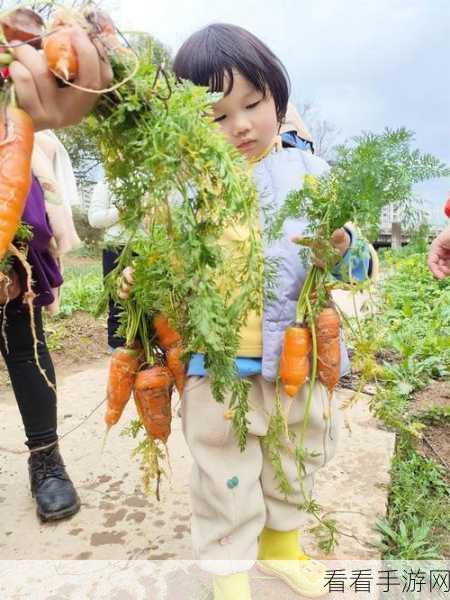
point(123, 368)
point(61, 57)
point(103, 26)
point(176, 366)
point(170, 342)
point(24, 25)
point(16, 147)
point(295, 358)
point(152, 390)
point(328, 327)
point(167, 337)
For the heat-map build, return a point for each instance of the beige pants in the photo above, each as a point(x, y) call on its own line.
point(235, 494)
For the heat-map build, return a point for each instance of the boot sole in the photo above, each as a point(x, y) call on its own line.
point(287, 581)
point(64, 513)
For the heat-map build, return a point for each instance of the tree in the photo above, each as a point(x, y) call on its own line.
point(324, 133)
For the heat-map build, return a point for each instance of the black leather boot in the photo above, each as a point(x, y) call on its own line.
point(51, 486)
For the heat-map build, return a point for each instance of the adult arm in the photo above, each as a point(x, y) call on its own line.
point(101, 213)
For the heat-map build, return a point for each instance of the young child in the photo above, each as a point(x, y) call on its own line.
point(239, 515)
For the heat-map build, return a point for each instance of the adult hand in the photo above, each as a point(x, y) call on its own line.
point(439, 255)
point(326, 253)
point(50, 106)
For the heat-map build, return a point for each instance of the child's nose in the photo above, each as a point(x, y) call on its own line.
point(241, 126)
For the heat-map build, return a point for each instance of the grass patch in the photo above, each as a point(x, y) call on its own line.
point(82, 289)
point(409, 338)
point(417, 526)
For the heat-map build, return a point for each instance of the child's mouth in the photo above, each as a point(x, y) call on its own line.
point(246, 145)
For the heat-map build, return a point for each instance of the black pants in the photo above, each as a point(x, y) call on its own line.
point(110, 258)
point(36, 400)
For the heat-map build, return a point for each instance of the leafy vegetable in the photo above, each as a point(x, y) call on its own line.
point(173, 171)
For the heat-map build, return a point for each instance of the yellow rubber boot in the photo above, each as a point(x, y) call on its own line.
point(280, 555)
point(232, 587)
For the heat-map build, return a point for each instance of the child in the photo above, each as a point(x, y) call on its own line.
point(238, 513)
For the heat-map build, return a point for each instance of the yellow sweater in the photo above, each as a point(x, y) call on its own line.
point(251, 333)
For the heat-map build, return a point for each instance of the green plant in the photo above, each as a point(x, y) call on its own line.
point(410, 540)
point(409, 334)
point(417, 524)
point(82, 289)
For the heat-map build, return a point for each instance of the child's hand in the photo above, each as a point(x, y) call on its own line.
point(326, 253)
point(125, 283)
point(9, 286)
point(50, 106)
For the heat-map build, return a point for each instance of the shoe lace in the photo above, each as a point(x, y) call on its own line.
point(48, 465)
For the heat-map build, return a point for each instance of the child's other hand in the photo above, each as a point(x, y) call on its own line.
point(125, 283)
point(326, 253)
point(341, 240)
point(50, 106)
point(9, 286)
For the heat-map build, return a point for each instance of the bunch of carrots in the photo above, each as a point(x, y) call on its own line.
point(295, 361)
point(152, 385)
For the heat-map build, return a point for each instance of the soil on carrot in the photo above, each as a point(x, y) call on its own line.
point(74, 343)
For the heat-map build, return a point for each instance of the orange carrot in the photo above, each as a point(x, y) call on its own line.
point(295, 358)
point(167, 337)
point(123, 369)
point(176, 366)
point(328, 327)
point(23, 24)
point(61, 57)
point(152, 390)
point(16, 146)
point(170, 342)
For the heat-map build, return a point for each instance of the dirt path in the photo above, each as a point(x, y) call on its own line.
point(119, 522)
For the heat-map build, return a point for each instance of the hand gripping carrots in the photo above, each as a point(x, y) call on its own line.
point(60, 55)
point(152, 391)
point(59, 52)
point(16, 146)
point(123, 369)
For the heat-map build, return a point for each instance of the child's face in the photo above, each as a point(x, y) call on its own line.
point(248, 120)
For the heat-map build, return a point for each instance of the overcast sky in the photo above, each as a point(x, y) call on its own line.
point(365, 64)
